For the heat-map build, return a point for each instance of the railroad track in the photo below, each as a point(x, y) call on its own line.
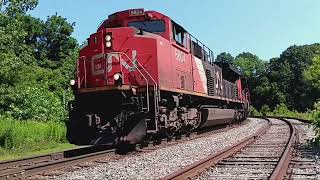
point(264, 155)
point(27, 167)
point(23, 168)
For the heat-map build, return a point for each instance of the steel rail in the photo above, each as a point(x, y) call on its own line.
point(283, 164)
point(279, 172)
point(26, 167)
point(284, 117)
point(19, 168)
point(194, 169)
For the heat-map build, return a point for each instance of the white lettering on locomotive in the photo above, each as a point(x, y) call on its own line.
point(136, 12)
point(90, 119)
point(180, 56)
point(97, 62)
point(217, 79)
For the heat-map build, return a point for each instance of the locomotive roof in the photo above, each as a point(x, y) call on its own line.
point(122, 15)
point(229, 69)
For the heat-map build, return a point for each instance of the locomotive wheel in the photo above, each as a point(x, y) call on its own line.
point(123, 148)
point(145, 142)
point(186, 129)
point(170, 132)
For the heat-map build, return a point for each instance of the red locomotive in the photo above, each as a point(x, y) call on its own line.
point(142, 75)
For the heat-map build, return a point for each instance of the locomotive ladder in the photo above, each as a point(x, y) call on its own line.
point(156, 92)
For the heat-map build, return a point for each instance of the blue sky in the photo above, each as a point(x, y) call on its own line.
point(265, 28)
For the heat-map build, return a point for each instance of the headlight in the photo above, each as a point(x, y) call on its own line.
point(72, 82)
point(108, 37)
point(108, 44)
point(116, 76)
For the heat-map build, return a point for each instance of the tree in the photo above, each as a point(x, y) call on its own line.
point(37, 61)
point(312, 74)
point(254, 69)
point(250, 64)
point(225, 57)
point(16, 7)
point(288, 72)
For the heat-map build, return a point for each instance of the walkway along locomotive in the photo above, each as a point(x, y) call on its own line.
point(143, 75)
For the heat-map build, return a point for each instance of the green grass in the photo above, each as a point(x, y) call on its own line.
point(282, 111)
point(6, 154)
point(25, 138)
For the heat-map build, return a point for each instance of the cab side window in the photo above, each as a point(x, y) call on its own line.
point(179, 34)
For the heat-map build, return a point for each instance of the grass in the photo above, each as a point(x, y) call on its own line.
point(26, 138)
point(6, 154)
point(282, 111)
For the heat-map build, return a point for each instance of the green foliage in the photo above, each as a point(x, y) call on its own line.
point(292, 79)
point(32, 102)
point(288, 73)
point(14, 7)
point(282, 110)
point(312, 74)
point(254, 112)
point(37, 62)
point(225, 57)
point(316, 117)
point(251, 65)
point(265, 109)
point(254, 69)
point(22, 135)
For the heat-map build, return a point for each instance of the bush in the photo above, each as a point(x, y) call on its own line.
point(282, 110)
point(20, 135)
point(265, 110)
point(254, 112)
point(35, 102)
point(316, 117)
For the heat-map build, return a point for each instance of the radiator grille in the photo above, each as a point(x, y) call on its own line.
point(210, 83)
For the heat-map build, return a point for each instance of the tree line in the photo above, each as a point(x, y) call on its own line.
point(292, 79)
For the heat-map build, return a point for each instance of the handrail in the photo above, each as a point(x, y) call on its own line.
point(85, 71)
point(147, 82)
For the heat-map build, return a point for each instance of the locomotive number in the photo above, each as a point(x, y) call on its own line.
point(180, 56)
point(98, 66)
point(136, 12)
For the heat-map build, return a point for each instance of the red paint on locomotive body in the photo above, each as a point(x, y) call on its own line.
point(158, 52)
point(137, 48)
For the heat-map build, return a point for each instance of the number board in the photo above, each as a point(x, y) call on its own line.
point(136, 12)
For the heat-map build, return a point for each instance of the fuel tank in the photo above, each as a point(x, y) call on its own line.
point(216, 116)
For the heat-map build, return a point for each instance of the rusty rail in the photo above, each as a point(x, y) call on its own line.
point(26, 167)
point(283, 117)
point(281, 169)
point(194, 169)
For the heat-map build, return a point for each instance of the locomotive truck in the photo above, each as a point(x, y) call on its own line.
point(142, 75)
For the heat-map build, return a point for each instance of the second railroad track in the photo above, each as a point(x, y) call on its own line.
point(264, 155)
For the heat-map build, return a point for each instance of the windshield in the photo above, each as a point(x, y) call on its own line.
point(149, 26)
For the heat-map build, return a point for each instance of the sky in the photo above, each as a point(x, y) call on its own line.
point(265, 28)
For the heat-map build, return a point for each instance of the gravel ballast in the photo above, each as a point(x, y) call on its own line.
point(305, 152)
point(161, 162)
